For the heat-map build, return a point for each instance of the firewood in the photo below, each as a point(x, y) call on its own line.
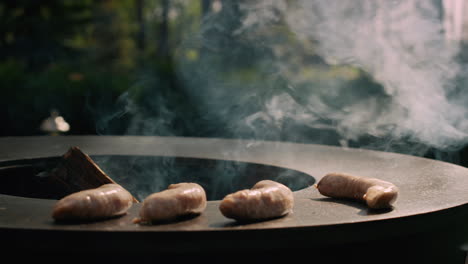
point(77, 171)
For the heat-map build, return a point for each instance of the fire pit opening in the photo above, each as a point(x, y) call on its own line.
point(143, 175)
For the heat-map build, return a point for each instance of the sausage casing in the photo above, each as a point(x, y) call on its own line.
point(267, 199)
point(178, 200)
point(105, 201)
point(376, 193)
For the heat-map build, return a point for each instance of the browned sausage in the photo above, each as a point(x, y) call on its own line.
point(267, 199)
point(178, 200)
point(376, 193)
point(106, 201)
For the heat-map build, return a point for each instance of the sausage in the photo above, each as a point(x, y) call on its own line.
point(178, 200)
point(105, 201)
point(267, 199)
point(376, 193)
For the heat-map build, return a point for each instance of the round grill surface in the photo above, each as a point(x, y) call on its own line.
point(429, 192)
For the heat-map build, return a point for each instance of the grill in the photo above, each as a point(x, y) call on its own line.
point(430, 208)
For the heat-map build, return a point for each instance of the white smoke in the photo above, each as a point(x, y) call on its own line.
point(251, 77)
point(400, 44)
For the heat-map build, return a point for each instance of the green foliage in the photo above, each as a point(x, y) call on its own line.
point(28, 97)
point(99, 64)
point(34, 32)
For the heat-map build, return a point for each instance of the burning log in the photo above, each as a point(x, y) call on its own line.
point(77, 171)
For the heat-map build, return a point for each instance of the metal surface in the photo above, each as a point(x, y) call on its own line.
point(430, 192)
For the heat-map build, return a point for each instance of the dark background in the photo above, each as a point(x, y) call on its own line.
point(88, 59)
point(112, 68)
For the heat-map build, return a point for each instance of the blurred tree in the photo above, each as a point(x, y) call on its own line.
point(206, 7)
point(163, 33)
point(111, 43)
point(35, 32)
point(75, 56)
point(140, 7)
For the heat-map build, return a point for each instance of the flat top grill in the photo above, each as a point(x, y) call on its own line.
point(429, 190)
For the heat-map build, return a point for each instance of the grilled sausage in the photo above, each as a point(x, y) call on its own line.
point(106, 201)
point(178, 200)
point(267, 199)
point(376, 193)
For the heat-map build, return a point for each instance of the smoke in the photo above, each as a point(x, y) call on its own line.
point(374, 74)
point(401, 45)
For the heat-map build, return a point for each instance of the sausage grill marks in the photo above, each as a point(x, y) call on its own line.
point(374, 192)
